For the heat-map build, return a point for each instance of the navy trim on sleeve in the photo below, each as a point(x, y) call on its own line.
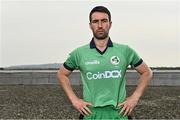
point(138, 63)
point(67, 67)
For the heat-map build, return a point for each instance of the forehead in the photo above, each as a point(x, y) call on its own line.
point(99, 16)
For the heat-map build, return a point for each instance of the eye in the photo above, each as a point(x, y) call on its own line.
point(104, 20)
point(95, 21)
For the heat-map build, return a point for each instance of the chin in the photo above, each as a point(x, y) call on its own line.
point(101, 38)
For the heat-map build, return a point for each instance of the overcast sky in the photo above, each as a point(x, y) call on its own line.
point(45, 31)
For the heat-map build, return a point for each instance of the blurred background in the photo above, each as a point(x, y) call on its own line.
point(37, 32)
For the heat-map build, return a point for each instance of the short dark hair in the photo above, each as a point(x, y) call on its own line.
point(100, 9)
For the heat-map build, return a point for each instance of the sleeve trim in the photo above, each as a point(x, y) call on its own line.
point(138, 63)
point(67, 67)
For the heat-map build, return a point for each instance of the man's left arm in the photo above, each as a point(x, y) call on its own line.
point(145, 76)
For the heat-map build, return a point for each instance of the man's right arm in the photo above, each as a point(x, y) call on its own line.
point(64, 81)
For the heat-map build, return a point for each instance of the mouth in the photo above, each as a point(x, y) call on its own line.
point(100, 31)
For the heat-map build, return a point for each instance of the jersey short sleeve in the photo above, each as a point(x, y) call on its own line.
point(72, 62)
point(133, 58)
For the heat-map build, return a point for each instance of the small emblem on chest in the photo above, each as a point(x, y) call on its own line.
point(115, 60)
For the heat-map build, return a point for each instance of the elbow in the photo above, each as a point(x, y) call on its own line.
point(150, 74)
point(58, 75)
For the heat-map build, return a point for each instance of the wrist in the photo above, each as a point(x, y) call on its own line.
point(136, 96)
point(73, 99)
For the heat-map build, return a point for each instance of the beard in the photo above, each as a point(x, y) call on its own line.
point(101, 35)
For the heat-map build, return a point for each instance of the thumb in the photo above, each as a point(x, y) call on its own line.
point(121, 104)
point(89, 104)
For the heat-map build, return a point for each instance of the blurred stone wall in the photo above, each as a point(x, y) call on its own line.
point(161, 77)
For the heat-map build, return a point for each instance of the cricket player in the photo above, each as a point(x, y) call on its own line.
point(103, 64)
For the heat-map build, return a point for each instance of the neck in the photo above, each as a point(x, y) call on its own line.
point(101, 43)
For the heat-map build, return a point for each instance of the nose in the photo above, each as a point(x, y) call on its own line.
point(100, 24)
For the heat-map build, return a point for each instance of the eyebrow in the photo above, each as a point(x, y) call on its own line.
point(100, 19)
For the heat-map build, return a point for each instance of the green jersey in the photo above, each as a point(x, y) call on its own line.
point(103, 73)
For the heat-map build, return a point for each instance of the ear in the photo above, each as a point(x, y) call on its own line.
point(110, 24)
point(90, 26)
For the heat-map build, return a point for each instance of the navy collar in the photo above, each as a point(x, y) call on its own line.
point(93, 45)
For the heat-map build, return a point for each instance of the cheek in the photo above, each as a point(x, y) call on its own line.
point(94, 28)
point(107, 27)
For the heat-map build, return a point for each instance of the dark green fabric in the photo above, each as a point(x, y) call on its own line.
point(108, 112)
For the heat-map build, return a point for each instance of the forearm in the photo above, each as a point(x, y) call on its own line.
point(130, 102)
point(65, 83)
point(142, 84)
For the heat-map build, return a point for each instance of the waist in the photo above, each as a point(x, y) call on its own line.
point(104, 108)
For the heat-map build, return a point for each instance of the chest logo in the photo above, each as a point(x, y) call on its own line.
point(115, 60)
point(92, 62)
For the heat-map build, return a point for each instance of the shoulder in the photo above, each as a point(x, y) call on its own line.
point(124, 48)
point(120, 46)
point(81, 48)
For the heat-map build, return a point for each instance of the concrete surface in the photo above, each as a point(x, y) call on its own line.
point(50, 102)
point(161, 77)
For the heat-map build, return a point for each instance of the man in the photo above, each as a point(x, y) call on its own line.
point(102, 65)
